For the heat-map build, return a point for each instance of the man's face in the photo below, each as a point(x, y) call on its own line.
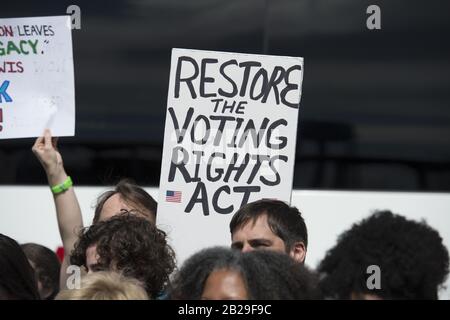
point(92, 259)
point(256, 235)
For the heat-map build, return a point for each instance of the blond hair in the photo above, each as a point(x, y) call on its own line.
point(105, 285)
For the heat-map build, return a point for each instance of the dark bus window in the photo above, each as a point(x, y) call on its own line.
point(375, 110)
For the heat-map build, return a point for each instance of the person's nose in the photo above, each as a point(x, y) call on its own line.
point(247, 248)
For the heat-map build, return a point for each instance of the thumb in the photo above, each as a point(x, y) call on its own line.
point(39, 141)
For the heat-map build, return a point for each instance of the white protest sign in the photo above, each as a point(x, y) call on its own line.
point(230, 138)
point(36, 77)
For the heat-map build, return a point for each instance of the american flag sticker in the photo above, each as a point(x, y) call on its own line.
point(173, 196)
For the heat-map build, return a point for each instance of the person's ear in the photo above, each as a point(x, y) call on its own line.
point(298, 252)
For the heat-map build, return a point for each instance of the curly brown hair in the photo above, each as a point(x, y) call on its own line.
point(131, 245)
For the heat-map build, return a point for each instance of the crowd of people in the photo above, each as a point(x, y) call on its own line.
point(124, 255)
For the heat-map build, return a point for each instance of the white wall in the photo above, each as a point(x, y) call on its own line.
point(27, 215)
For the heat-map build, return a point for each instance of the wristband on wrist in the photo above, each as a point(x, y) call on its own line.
point(60, 188)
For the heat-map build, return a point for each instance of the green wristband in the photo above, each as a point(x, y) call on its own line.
point(60, 188)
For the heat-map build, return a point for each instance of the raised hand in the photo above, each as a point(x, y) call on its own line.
point(45, 149)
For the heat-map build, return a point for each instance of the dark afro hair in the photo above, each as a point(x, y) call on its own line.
point(268, 275)
point(411, 256)
point(132, 245)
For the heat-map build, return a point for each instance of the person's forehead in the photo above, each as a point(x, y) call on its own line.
point(112, 206)
point(255, 228)
point(225, 283)
point(225, 277)
point(115, 202)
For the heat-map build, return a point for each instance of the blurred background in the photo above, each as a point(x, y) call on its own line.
point(375, 110)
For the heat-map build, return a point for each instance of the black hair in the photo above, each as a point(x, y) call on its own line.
point(46, 267)
point(132, 245)
point(268, 275)
point(412, 259)
point(17, 280)
point(286, 222)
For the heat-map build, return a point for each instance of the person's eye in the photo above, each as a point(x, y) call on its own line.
point(236, 246)
point(261, 245)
